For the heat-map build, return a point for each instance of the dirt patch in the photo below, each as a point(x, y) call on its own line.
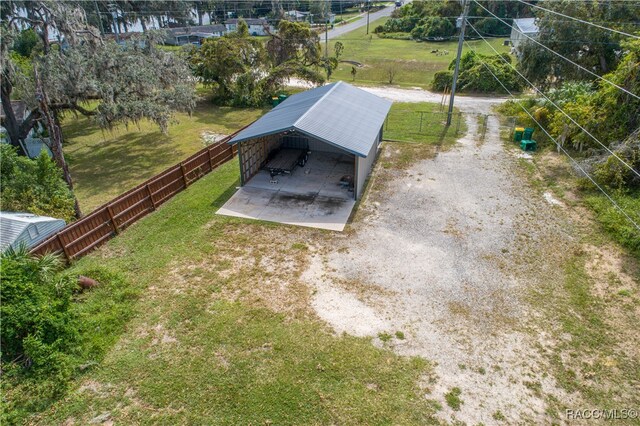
point(439, 238)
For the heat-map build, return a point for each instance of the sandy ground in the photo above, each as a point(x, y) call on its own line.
point(427, 259)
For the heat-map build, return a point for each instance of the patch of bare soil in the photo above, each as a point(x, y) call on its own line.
point(442, 238)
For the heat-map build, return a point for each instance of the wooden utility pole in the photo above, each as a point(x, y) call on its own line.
point(463, 25)
point(368, 10)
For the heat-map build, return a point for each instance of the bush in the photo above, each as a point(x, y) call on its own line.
point(474, 76)
point(433, 27)
point(442, 80)
point(34, 186)
point(25, 42)
point(379, 29)
point(37, 329)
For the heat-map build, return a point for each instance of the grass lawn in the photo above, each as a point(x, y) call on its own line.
point(422, 122)
point(105, 164)
point(414, 62)
point(220, 331)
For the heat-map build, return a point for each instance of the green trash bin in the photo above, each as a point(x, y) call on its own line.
point(275, 101)
point(282, 97)
point(517, 135)
point(528, 145)
point(528, 133)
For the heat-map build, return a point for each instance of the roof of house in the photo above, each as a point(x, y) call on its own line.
point(198, 30)
point(249, 21)
point(339, 114)
point(526, 25)
point(12, 225)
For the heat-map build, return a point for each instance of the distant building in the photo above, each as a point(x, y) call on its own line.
point(194, 35)
point(521, 30)
point(35, 141)
point(257, 27)
point(297, 16)
point(26, 228)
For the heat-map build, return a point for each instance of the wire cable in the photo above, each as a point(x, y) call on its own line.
point(556, 105)
point(560, 147)
point(580, 20)
point(564, 57)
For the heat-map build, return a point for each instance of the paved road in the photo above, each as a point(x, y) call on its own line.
point(339, 30)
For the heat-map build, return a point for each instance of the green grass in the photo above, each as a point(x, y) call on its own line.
point(422, 122)
point(453, 399)
point(414, 62)
point(614, 222)
point(105, 164)
point(201, 345)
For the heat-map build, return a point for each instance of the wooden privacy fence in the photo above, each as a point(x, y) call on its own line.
point(80, 237)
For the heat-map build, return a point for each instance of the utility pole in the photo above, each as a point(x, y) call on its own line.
point(326, 30)
point(457, 68)
point(368, 10)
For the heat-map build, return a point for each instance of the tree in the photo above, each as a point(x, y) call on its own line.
point(130, 83)
point(593, 48)
point(338, 49)
point(242, 71)
point(391, 69)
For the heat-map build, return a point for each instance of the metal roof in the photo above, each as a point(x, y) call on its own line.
point(338, 114)
point(14, 227)
point(526, 25)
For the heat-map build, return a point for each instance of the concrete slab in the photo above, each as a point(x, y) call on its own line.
point(311, 196)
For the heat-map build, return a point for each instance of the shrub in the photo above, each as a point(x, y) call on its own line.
point(25, 42)
point(475, 77)
point(442, 80)
point(34, 186)
point(432, 27)
point(37, 328)
point(379, 29)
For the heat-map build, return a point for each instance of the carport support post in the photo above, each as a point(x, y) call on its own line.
point(241, 164)
point(457, 68)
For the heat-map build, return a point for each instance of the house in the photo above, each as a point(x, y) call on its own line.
point(297, 16)
point(521, 30)
point(194, 35)
point(36, 139)
point(26, 228)
point(257, 27)
point(307, 160)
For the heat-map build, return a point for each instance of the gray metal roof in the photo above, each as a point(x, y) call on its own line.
point(338, 114)
point(16, 228)
point(526, 25)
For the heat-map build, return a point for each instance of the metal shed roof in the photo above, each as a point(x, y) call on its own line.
point(338, 114)
point(13, 227)
point(526, 25)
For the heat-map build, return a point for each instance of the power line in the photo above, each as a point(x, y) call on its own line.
point(564, 57)
point(556, 105)
point(580, 20)
point(560, 147)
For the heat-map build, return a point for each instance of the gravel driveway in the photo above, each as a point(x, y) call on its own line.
point(429, 257)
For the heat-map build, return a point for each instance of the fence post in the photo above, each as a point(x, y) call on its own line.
point(184, 175)
point(113, 219)
point(210, 159)
point(153, 203)
point(64, 248)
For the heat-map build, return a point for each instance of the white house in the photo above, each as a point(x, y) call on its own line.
point(257, 27)
point(521, 30)
point(26, 228)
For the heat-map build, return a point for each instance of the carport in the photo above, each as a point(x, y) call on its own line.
point(306, 161)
